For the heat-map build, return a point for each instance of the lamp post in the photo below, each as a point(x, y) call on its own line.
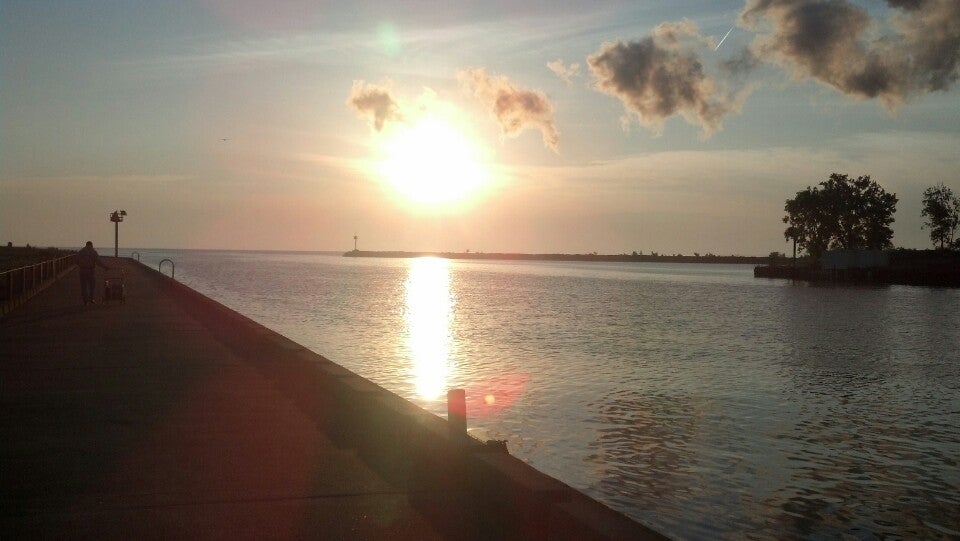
point(116, 217)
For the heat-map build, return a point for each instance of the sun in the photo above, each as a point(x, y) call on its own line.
point(432, 160)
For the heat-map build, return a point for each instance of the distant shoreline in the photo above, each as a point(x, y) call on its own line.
point(621, 258)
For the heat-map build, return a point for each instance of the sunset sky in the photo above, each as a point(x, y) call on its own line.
point(544, 126)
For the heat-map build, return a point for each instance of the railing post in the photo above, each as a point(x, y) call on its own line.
point(457, 412)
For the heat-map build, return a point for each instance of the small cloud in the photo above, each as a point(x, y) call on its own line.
point(516, 109)
point(662, 75)
point(563, 71)
point(373, 102)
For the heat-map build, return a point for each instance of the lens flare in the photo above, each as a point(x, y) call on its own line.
point(499, 393)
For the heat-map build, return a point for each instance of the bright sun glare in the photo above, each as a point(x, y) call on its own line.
point(431, 161)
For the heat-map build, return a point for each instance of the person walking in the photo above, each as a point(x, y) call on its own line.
point(88, 260)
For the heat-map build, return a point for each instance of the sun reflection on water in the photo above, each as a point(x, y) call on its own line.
point(429, 311)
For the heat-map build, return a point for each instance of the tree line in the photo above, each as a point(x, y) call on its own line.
point(855, 214)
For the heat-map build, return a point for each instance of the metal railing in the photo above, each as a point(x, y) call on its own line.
point(173, 268)
point(18, 285)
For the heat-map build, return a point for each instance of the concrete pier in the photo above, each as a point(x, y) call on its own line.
point(171, 416)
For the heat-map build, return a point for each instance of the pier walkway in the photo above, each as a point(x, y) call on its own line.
point(170, 416)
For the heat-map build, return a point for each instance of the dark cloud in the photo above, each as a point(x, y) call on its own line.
point(741, 63)
point(907, 4)
point(516, 109)
point(662, 75)
point(837, 43)
point(374, 103)
point(930, 31)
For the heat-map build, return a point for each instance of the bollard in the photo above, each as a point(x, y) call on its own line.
point(457, 411)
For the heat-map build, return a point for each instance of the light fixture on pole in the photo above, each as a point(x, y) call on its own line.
point(116, 217)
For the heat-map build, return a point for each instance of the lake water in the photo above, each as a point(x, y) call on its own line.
point(697, 399)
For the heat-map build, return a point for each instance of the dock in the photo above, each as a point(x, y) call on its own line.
point(171, 416)
point(944, 275)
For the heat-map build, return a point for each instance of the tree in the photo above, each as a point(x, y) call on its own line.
point(842, 213)
point(942, 210)
point(863, 211)
point(809, 221)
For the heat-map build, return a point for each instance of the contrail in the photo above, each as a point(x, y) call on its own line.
point(723, 38)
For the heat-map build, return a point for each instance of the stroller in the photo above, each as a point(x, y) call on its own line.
point(113, 286)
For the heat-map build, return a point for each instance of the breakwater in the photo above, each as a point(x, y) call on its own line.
point(603, 374)
point(609, 258)
point(180, 404)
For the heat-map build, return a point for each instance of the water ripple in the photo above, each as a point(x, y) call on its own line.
point(694, 398)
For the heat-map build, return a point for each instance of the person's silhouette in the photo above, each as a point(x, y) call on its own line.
point(88, 260)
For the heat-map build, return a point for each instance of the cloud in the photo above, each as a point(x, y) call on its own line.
point(146, 177)
point(906, 4)
point(840, 45)
point(373, 102)
point(662, 75)
point(740, 64)
point(563, 71)
point(516, 109)
point(930, 31)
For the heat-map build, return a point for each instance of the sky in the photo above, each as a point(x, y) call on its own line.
point(491, 126)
